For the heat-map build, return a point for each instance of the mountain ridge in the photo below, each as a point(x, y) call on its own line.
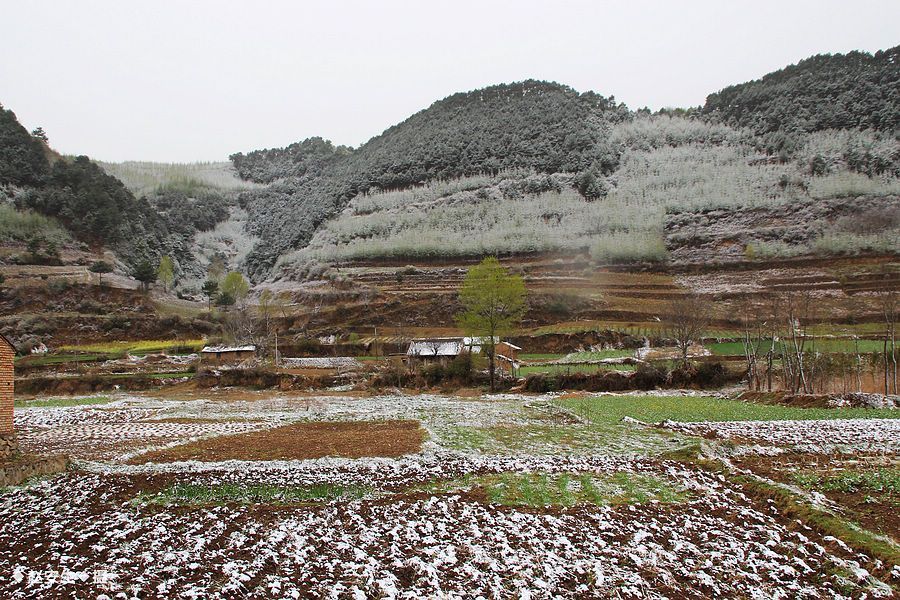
point(601, 174)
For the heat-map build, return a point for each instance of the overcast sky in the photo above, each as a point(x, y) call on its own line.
point(184, 81)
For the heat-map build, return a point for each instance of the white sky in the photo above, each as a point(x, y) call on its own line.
point(191, 80)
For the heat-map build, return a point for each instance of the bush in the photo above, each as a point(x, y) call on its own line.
point(432, 373)
point(703, 375)
point(629, 247)
point(461, 368)
point(649, 377)
point(116, 322)
point(540, 384)
point(58, 286)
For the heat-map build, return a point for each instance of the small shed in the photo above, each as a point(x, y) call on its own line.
point(7, 392)
point(227, 355)
point(508, 357)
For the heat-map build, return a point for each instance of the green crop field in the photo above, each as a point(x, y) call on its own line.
point(136, 347)
point(651, 409)
point(564, 369)
point(817, 345)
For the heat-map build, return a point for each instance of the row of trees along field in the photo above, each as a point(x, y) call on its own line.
point(780, 352)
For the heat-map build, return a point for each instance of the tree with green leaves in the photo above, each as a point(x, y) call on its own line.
point(100, 267)
point(145, 273)
point(34, 248)
point(210, 287)
point(166, 272)
point(235, 286)
point(493, 304)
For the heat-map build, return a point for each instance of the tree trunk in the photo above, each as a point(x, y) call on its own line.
point(894, 355)
point(491, 367)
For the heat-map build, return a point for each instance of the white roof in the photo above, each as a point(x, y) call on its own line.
point(435, 347)
point(444, 346)
point(217, 349)
point(513, 346)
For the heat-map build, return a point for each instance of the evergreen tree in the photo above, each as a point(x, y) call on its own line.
point(100, 267)
point(210, 287)
point(145, 273)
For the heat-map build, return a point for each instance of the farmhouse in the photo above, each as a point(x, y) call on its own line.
point(227, 355)
point(442, 349)
point(7, 433)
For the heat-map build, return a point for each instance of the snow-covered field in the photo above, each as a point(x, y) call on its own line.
point(75, 534)
point(94, 532)
point(846, 435)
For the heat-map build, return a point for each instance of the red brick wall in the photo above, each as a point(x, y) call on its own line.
point(6, 387)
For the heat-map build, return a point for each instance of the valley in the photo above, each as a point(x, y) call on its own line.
point(527, 342)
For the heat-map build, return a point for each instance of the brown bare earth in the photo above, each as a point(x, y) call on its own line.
point(302, 441)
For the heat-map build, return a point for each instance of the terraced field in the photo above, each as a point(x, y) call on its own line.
point(568, 293)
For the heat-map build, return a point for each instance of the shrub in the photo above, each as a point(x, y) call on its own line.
point(58, 286)
point(629, 247)
point(648, 377)
point(432, 373)
point(116, 322)
point(461, 367)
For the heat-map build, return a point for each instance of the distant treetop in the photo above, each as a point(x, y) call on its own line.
point(827, 91)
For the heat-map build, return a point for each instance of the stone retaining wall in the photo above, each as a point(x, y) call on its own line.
point(21, 468)
point(8, 446)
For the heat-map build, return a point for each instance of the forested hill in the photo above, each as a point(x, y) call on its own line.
point(535, 125)
point(532, 166)
point(94, 208)
point(537, 166)
point(827, 91)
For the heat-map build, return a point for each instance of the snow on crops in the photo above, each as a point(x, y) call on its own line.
point(60, 534)
point(823, 436)
point(108, 440)
point(107, 431)
point(94, 531)
point(500, 425)
point(95, 432)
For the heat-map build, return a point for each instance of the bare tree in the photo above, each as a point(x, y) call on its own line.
point(688, 318)
point(435, 347)
point(265, 311)
point(754, 326)
point(794, 345)
point(890, 304)
point(774, 317)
